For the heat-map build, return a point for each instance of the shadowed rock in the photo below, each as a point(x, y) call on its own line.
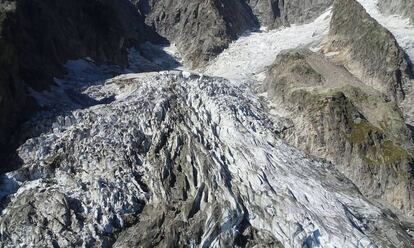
point(38, 37)
point(275, 13)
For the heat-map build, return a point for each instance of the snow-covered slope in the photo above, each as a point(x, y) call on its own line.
point(252, 53)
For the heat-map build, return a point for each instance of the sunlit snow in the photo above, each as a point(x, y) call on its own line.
point(251, 54)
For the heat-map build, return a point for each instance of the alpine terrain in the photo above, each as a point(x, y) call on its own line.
point(207, 123)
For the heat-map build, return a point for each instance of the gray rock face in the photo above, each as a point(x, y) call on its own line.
point(399, 7)
point(181, 160)
point(268, 12)
point(275, 13)
point(201, 29)
point(337, 117)
point(368, 50)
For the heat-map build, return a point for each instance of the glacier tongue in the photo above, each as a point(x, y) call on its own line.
point(185, 154)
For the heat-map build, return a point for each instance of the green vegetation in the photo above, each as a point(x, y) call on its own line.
point(392, 153)
point(306, 70)
point(362, 132)
point(375, 150)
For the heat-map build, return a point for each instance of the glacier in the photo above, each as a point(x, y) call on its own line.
point(198, 147)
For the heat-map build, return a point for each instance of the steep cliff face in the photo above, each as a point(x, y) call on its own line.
point(275, 13)
point(268, 13)
point(337, 117)
point(368, 50)
point(398, 7)
point(38, 37)
point(11, 87)
point(200, 29)
point(48, 33)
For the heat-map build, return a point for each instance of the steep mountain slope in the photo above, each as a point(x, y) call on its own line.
point(398, 25)
point(38, 37)
point(337, 117)
point(340, 114)
point(250, 55)
point(368, 50)
point(317, 130)
point(182, 160)
point(179, 159)
point(275, 13)
point(201, 29)
point(404, 33)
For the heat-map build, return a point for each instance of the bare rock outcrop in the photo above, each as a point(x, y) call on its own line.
point(276, 13)
point(368, 50)
point(336, 116)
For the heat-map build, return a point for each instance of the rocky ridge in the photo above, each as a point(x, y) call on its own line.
point(276, 13)
point(200, 29)
point(362, 44)
point(336, 116)
point(354, 116)
point(203, 29)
